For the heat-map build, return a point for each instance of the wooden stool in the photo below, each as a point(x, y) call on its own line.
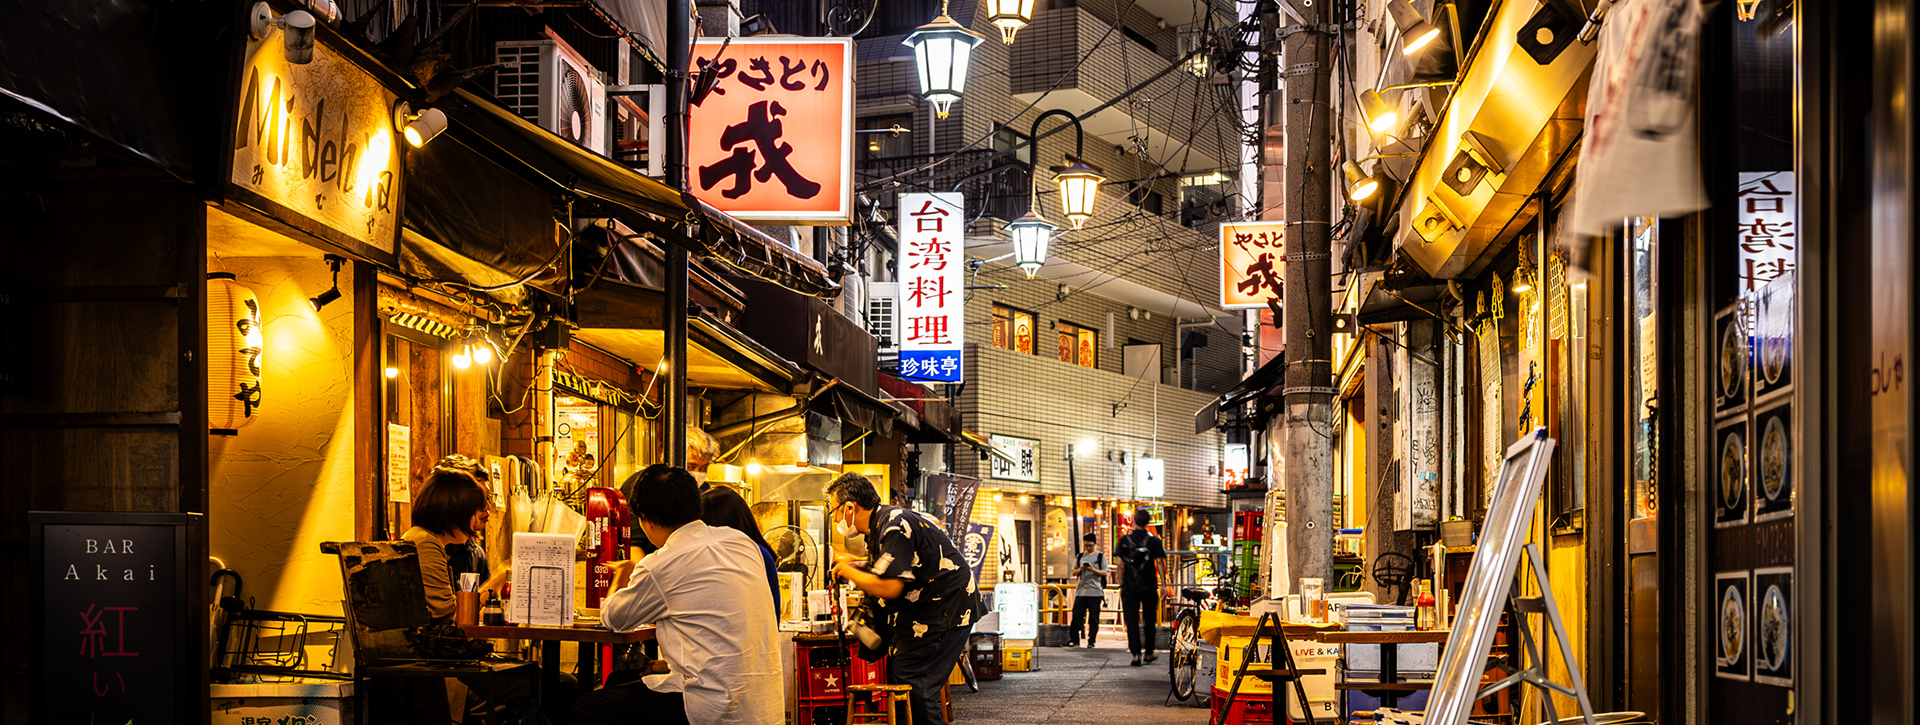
point(895, 699)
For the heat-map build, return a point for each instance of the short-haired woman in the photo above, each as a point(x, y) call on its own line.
point(722, 506)
point(451, 510)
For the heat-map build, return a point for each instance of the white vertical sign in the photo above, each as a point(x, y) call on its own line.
point(1766, 208)
point(930, 326)
point(1149, 477)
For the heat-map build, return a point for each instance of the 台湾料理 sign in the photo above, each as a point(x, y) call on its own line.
point(932, 287)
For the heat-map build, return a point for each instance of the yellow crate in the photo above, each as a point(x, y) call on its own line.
point(1232, 648)
point(956, 677)
point(1017, 659)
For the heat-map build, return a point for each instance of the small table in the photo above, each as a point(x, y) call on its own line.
point(550, 638)
point(1389, 642)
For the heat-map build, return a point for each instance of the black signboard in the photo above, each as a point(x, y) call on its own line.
point(116, 634)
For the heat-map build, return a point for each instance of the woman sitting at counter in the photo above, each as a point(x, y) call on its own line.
point(451, 510)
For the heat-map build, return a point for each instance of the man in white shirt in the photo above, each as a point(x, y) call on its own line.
point(705, 592)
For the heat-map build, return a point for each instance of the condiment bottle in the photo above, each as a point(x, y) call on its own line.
point(1423, 610)
point(493, 615)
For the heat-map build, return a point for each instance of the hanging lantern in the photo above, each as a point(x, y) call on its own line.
point(1030, 237)
point(234, 346)
point(1009, 16)
point(1079, 187)
point(941, 50)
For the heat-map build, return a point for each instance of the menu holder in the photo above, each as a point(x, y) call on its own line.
point(543, 580)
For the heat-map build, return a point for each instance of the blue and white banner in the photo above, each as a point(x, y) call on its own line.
point(932, 287)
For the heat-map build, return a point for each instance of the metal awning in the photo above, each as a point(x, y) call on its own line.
point(982, 444)
point(606, 188)
point(718, 356)
point(1259, 382)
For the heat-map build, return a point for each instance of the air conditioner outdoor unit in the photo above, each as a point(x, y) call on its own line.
point(882, 314)
point(547, 83)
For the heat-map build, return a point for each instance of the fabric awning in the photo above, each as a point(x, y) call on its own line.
point(1256, 384)
point(865, 411)
point(937, 420)
point(607, 188)
point(718, 356)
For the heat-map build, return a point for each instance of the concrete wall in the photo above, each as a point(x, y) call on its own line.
point(1061, 403)
point(285, 483)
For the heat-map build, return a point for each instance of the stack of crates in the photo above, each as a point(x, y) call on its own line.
point(1017, 656)
point(823, 684)
point(1249, 531)
point(1247, 708)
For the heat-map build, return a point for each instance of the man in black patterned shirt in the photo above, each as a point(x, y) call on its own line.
point(923, 589)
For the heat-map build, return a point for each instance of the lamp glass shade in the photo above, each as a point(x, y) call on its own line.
point(1009, 16)
point(1031, 235)
point(941, 52)
point(235, 344)
point(1079, 189)
point(1381, 118)
point(1360, 186)
point(1415, 31)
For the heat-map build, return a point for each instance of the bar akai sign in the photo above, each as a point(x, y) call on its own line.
point(313, 145)
point(773, 140)
point(932, 287)
point(1253, 263)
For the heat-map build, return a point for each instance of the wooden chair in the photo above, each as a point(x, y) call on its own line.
point(385, 599)
point(892, 697)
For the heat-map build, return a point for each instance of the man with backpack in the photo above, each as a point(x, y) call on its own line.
point(1141, 555)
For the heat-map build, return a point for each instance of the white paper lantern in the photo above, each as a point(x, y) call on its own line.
point(234, 348)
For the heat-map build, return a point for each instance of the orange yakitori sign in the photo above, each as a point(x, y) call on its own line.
point(773, 141)
point(1253, 261)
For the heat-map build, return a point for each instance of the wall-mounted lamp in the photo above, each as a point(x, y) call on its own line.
point(1382, 118)
point(1415, 31)
point(463, 358)
point(418, 128)
point(1360, 184)
point(296, 25)
point(332, 293)
point(392, 372)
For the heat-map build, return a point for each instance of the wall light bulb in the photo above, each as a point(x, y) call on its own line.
point(483, 353)
point(463, 358)
point(393, 372)
point(754, 468)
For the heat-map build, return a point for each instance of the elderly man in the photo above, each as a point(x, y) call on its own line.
point(925, 593)
point(705, 591)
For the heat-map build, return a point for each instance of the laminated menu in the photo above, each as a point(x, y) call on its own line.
point(542, 580)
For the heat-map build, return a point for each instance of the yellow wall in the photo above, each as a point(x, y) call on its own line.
point(285, 483)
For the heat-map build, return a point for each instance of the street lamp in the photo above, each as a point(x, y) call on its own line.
point(1030, 237)
point(941, 50)
point(1011, 15)
point(1080, 181)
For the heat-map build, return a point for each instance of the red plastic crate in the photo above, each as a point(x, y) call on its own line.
point(1249, 525)
point(827, 712)
point(1248, 709)
point(822, 678)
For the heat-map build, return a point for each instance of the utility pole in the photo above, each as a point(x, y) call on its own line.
point(1307, 392)
point(679, 58)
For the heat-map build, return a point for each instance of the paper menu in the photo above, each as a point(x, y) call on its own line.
point(542, 579)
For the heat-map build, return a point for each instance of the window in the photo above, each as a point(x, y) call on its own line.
point(1012, 329)
point(885, 145)
point(1079, 345)
point(1148, 200)
point(1007, 138)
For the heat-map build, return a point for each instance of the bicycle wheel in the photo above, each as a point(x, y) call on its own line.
point(1186, 653)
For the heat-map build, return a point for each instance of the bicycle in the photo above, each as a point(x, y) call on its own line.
point(1184, 656)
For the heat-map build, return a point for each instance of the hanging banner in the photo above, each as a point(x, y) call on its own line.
point(773, 140)
point(960, 493)
point(1149, 477)
point(1025, 453)
point(932, 287)
point(1253, 263)
point(1640, 156)
point(973, 546)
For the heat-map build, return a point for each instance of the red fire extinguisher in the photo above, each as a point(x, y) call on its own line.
point(609, 528)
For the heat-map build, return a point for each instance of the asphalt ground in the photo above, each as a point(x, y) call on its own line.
point(1074, 685)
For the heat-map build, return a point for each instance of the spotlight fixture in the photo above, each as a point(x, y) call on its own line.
point(1360, 185)
point(418, 128)
point(1415, 31)
point(297, 26)
point(1522, 284)
point(1381, 117)
point(463, 358)
point(332, 293)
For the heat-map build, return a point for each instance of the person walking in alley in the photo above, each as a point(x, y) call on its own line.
point(1091, 592)
point(1141, 555)
point(925, 598)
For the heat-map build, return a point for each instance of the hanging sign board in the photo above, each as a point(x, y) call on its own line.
point(773, 140)
point(399, 464)
point(112, 616)
point(314, 146)
point(1025, 453)
point(930, 327)
point(1253, 263)
point(1235, 467)
point(1149, 477)
point(973, 546)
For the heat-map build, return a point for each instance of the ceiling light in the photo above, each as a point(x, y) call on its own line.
point(333, 293)
point(1415, 31)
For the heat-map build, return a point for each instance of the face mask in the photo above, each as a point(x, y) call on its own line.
point(844, 528)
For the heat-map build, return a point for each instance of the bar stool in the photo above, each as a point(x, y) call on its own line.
point(894, 697)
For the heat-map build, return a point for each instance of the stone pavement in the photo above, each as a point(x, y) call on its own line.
point(1079, 686)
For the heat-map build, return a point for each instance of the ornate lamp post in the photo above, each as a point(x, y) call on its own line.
point(1030, 237)
point(1009, 16)
point(941, 50)
point(1079, 188)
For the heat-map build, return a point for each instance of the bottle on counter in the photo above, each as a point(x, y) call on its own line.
point(493, 614)
point(1423, 609)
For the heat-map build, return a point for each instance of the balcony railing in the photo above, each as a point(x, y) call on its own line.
point(998, 189)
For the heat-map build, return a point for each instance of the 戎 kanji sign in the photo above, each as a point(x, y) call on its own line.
point(773, 140)
point(932, 286)
point(1253, 263)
